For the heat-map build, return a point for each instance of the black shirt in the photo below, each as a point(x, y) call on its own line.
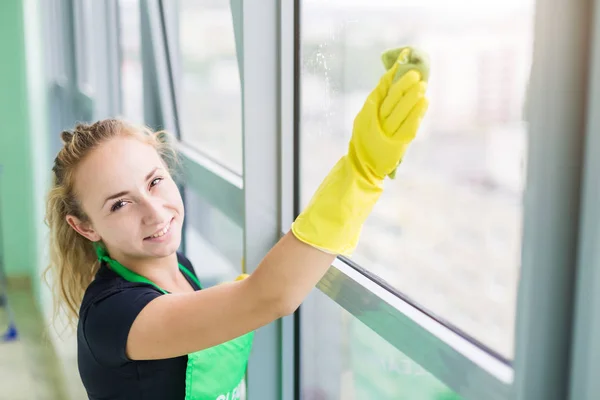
point(109, 307)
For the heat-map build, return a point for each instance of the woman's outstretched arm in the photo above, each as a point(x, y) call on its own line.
point(179, 324)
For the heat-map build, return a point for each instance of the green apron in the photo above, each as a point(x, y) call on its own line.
point(215, 373)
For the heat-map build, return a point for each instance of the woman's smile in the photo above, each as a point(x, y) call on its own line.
point(162, 234)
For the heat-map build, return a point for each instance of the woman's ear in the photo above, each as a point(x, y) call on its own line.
point(85, 229)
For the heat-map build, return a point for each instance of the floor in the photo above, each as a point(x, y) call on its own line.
point(29, 366)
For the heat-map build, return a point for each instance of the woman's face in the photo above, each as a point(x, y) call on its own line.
point(133, 204)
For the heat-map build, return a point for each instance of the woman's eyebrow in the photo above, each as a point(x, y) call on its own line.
point(115, 196)
point(152, 173)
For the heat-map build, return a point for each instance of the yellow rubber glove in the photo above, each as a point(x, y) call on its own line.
point(407, 58)
point(382, 131)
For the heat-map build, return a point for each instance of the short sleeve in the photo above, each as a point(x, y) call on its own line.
point(108, 321)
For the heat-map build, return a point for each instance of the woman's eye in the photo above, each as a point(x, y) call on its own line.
point(155, 182)
point(117, 205)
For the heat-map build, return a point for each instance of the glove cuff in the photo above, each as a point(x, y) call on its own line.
point(333, 220)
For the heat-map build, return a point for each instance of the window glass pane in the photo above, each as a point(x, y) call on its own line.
point(447, 231)
point(213, 243)
point(210, 93)
point(342, 358)
point(132, 91)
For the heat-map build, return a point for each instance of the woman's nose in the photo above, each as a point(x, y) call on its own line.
point(154, 211)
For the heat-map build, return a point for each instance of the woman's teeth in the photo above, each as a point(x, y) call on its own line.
point(162, 232)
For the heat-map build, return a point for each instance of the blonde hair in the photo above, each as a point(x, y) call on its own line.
point(73, 259)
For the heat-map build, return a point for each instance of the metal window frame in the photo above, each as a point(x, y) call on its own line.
point(160, 110)
point(152, 86)
point(260, 110)
point(60, 74)
point(585, 352)
point(456, 361)
point(268, 192)
point(552, 199)
point(170, 17)
point(288, 168)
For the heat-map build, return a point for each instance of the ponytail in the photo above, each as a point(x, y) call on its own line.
point(73, 260)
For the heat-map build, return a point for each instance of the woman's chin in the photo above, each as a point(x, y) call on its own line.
point(164, 249)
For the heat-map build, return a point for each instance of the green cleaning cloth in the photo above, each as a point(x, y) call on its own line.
point(408, 58)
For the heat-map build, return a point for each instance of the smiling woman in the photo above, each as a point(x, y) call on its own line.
point(98, 201)
point(145, 327)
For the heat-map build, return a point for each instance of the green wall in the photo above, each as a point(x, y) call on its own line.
point(39, 152)
point(24, 152)
point(16, 190)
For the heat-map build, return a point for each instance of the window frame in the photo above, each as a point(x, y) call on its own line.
point(60, 74)
point(585, 352)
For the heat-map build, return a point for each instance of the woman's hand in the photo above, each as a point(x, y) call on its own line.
point(382, 131)
point(387, 123)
